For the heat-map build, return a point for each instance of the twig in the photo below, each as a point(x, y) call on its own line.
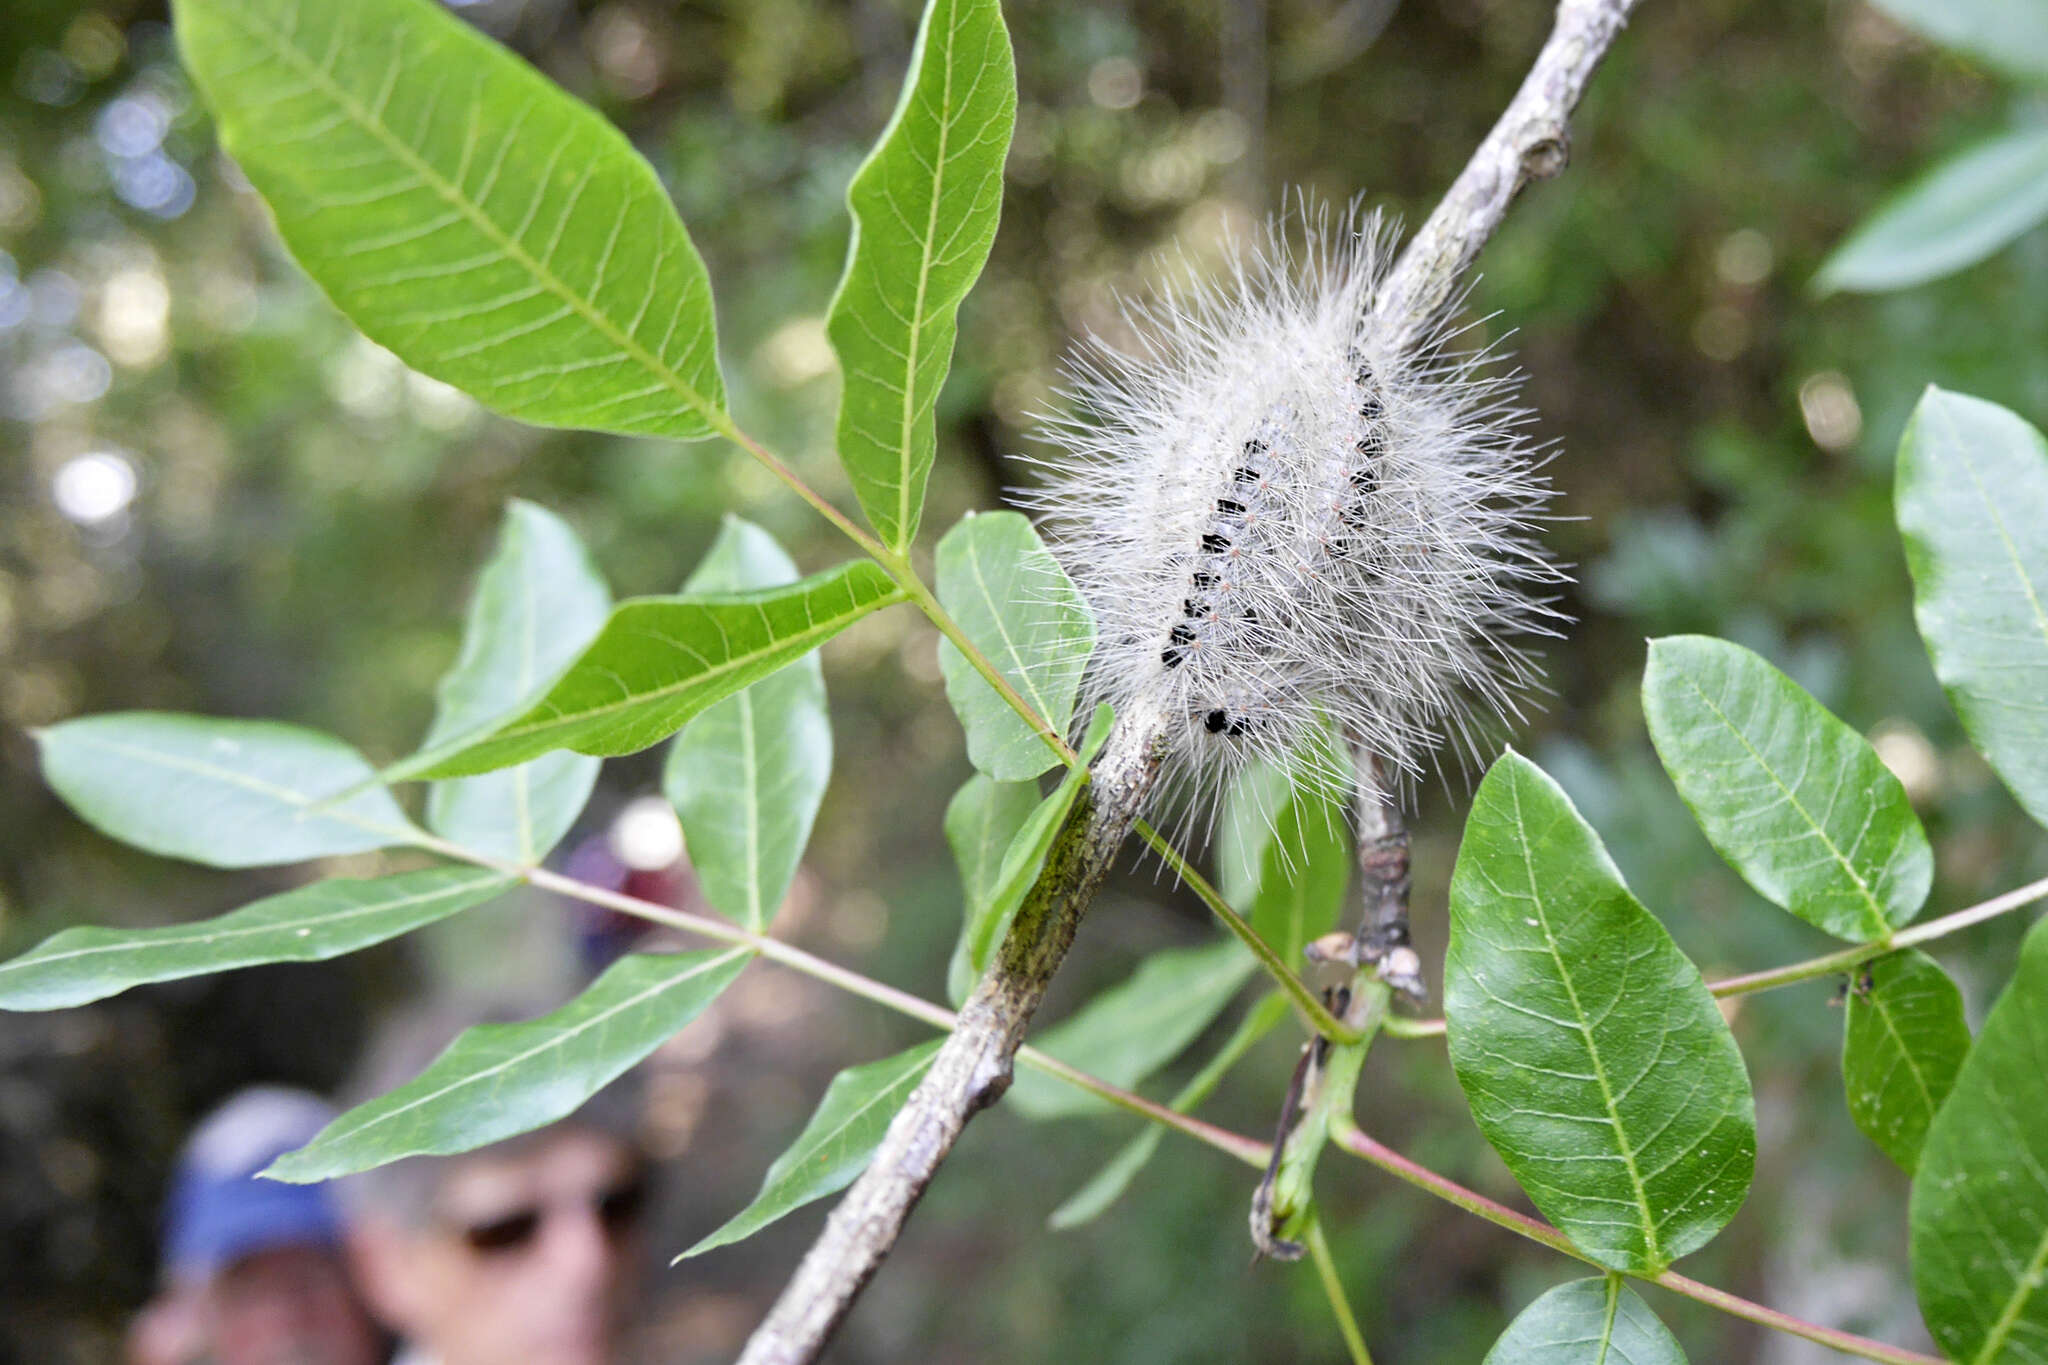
point(1827, 964)
point(1351, 1139)
point(1319, 1098)
point(973, 1067)
point(1382, 940)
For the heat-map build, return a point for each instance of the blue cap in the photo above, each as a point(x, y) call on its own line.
point(218, 1211)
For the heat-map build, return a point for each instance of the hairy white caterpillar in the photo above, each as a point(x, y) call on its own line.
point(1283, 522)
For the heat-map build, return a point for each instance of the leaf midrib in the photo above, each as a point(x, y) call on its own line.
point(905, 1080)
point(2022, 1293)
point(1883, 925)
point(2012, 553)
point(925, 247)
point(327, 921)
point(553, 1042)
point(1622, 1147)
point(1025, 676)
point(1876, 1002)
point(283, 795)
point(1613, 1286)
point(568, 719)
point(752, 779)
point(281, 47)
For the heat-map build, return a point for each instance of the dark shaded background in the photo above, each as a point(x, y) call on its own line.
point(307, 520)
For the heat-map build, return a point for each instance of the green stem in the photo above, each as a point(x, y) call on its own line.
point(1319, 1103)
point(769, 460)
point(1843, 959)
point(1333, 1290)
point(1248, 1150)
point(1319, 1018)
point(900, 569)
point(1827, 964)
point(1354, 1140)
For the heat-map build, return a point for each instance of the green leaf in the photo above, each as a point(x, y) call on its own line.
point(1132, 1029)
point(1795, 800)
point(746, 775)
point(1904, 1041)
point(1954, 216)
point(1284, 854)
point(1107, 1186)
point(982, 822)
point(986, 920)
point(463, 211)
point(2013, 37)
point(539, 602)
point(1973, 508)
point(1597, 1321)
point(661, 661)
point(1979, 1213)
point(1021, 610)
point(230, 793)
point(310, 924)
point(925, 205)
point(1304, 874)
point(1252, 802)
point(1594, 1059)
point(835, 1146)
point(499, 1080)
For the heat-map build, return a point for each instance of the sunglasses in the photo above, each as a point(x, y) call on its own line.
point(617, 1210)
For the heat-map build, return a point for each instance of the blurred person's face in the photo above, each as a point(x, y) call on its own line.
point(523, 1259)
point(287, 1306)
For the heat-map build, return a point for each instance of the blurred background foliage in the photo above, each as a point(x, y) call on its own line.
point(215, 496)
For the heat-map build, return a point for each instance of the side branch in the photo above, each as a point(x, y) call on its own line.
point(972, 1069)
